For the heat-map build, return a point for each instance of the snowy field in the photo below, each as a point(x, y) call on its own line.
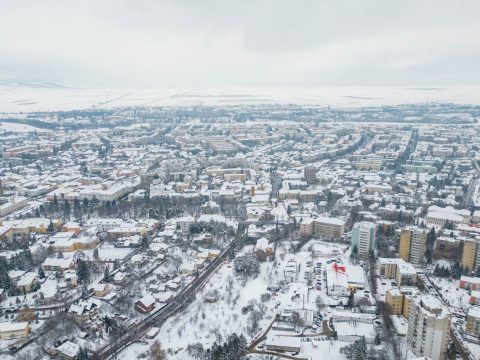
point(204, 322)
point(451, 293)
point(19, 128)
point(24, 99)
point(236, 299)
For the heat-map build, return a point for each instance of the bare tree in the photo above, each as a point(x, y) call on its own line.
point(156, 351)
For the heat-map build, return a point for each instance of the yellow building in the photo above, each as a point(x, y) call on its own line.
point(405, 241)
point(394, 300)
point(409, 293)
point(14, 330)
point(388, 267)
point(412, 244)
point(470, 249)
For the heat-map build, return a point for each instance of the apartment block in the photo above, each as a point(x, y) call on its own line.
point(471, 254)
point(412, 244)
point(472, 324)
point(331, 227)
point(428, 327)
point(394, 300)
point(363, 237)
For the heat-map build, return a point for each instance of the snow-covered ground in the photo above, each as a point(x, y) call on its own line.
point(451, 293)
point(207, 322)
point(18, 99)
point(19, 128)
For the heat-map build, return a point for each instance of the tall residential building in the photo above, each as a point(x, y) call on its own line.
point(471, 254)
point(310, 174)
point(428, 327)
point(363, 236)
point(412, 244)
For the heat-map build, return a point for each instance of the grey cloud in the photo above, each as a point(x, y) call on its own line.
point(222, 43)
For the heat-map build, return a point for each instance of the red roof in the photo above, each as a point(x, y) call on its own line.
point(337, 268)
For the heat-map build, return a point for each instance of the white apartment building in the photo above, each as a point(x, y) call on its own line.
point(363, 236)
point(15, 204)
point(428, 327)
point(326, 226)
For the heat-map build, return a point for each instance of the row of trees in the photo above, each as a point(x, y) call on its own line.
point(455, 271)
point(246, 265)
point(235, 348)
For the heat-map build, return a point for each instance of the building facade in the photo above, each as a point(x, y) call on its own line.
point(412, 244)
point(363, 237)
point(428, 327)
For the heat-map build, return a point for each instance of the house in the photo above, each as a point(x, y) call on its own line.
point(189, 268)
point(283, 343)
point(72, 226)
point(85, 310)
point(145, 304)
point(68, 350)
point(470, 283)
point(100, 290)
point(152, 332)
point(14, 330)
point(263, 248)
point(164, 297)
point(56, 264)
point(119, 278)
point(173, 285)
point(71, 278)
point(6, 232)
point(27, 282)
point(475, 297)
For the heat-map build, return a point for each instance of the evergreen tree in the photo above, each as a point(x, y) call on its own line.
point(456, 270)
point(116, 264)
point(85, 204)
point(37, 213)
point(56, 207)
point(5, 282)
point(42, 210)
point(41, 273)
point(354, 251)
point(66, 210)
point(235, 348)
point(83, 272)
point(82, 354)
point(145, 242)
point(3, 265)
point(107, 277)
point(477, 272)
point(50, 228)
point(108, 208)
point(77, 210)
point(351, 299)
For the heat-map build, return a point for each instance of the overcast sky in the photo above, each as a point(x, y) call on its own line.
point(241, 43)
